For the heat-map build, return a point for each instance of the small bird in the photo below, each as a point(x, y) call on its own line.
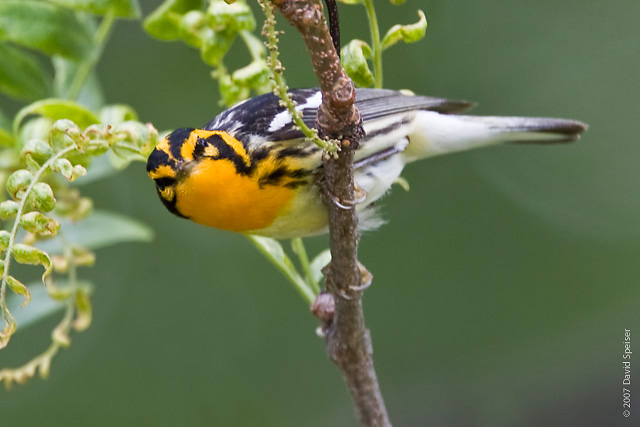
point(250, 169)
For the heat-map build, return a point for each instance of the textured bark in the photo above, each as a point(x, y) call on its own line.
point(348, 340)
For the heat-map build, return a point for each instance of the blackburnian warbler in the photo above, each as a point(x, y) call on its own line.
point(251, 170)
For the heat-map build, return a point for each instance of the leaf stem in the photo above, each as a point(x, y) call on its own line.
point(377, 44)
point(254, 45)
point(86, 66)
point(297, 244)
point(288, 271)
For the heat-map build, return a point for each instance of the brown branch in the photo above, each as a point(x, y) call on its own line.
point(348, 340)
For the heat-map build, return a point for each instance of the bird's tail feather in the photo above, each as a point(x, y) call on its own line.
point(530, 129)
point(435, 133)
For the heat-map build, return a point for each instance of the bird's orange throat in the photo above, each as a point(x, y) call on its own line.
point(212, 193)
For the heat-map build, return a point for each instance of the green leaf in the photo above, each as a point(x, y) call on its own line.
point(254, 44)
point(19, 289)
point(36, 150)
point(4, 240)
point(354, 61)
point(18, 182)
point(121, 8)
point(41, 197)
point(231, 92)
point(216, 45)
point(25, 254)
point(320, 262)
point(136, 135)
point(56, 109)
point(407, 33)
point(83, 308)
point(34, 127)
point(164, 22)
point(45, 27)
point(91, 95)
point(60, 336)
point(117, 114)
point(35, 222)
point(6, 139)
point(21, 76)
point(100, 229)
point(65, 72)
point(41, 306)
point(9, 329)
point(230, 17)
point(252, 75)
point(66, 169)
point(193, 28)
point(8, 209)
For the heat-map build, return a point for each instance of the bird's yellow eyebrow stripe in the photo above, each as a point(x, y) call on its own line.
point(235, 144)
point(188, 147)
point(164, 147)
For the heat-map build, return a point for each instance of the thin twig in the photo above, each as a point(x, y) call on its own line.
point(281, 89)
point(375, 41)
point(286, 267)
point(348, 340)
point(87, 66)
point(334, 23)
point(298, 248)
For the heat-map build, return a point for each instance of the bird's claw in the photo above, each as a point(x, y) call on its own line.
point(360, 196)
point(365, 279)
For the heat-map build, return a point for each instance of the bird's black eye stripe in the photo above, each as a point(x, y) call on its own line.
point(227, 152)
point(176, 139)
point(163, 183)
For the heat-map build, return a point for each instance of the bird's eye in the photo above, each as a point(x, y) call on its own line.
point(204, 148)
point(199, 149)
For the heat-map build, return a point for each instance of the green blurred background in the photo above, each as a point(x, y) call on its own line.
point(504, 279)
